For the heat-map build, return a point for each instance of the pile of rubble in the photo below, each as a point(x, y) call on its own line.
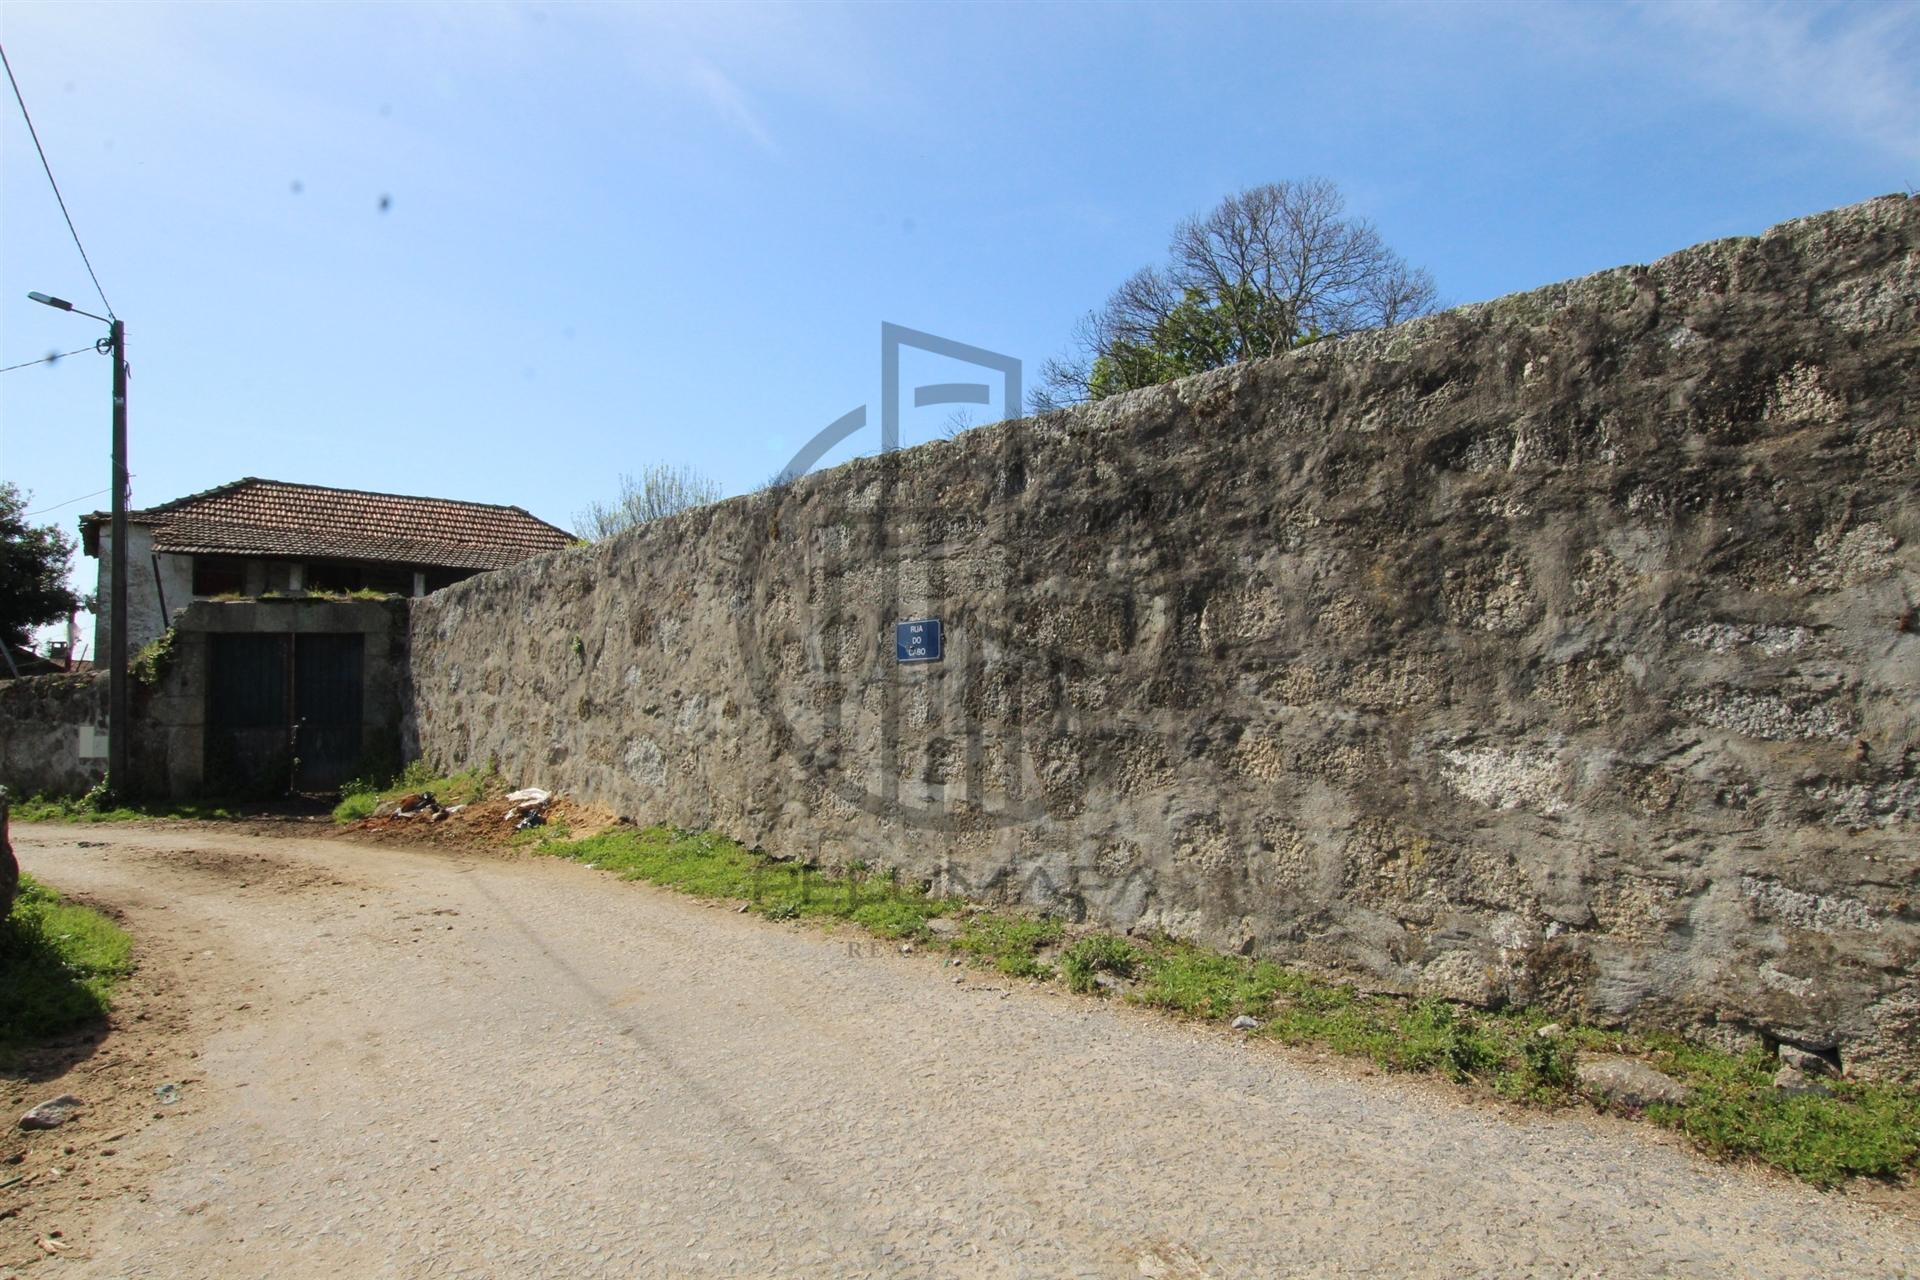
point(419, 804)
point(527, 808)
point(421, 815)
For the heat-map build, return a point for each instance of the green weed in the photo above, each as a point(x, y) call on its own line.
point(150, 664)
point(1096, 954)
point(711, 866)
point(1206, 984)
point(1012, 944)
point(1547, 1063)
point(356, 805)
point(1863, 1130)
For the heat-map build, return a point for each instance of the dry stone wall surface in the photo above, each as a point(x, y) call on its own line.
point(1558, 649)
point(45, 721)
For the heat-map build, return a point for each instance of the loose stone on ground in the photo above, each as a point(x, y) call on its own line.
point(53, 1113)
point(1629, 1082)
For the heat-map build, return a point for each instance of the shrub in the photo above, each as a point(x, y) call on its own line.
point(1548, 1060)
point(151, 663)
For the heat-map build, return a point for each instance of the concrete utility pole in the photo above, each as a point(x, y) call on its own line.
point(117, 691)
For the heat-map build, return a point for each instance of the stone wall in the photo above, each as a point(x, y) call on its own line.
point(1558, 649)
point(53, 733)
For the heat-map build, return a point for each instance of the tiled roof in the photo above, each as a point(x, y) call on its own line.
point(274, 518)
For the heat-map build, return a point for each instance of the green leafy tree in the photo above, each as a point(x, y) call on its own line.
point(1267, 270)
point(1194, 335)
point(661, 490)
point(33, 570)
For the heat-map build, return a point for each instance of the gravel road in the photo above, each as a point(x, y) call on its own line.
point(473, 1066)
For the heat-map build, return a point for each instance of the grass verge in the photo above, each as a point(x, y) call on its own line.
point(1861, 1130)
point(58, 966)
point(87, 809)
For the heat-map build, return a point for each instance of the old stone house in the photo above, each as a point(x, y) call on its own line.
point(258, 537)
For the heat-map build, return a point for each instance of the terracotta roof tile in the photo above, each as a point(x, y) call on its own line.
point(275, 518)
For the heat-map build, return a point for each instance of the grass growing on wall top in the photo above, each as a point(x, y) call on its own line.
point(1862, 1130)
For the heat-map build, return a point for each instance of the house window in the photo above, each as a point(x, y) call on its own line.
point(219, 576)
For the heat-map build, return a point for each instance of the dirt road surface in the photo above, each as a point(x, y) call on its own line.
point(429, 1064)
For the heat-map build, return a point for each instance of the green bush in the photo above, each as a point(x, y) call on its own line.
point(150, 665)
point(1548, 1060)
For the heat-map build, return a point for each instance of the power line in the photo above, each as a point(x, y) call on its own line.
point(69, 502)
point(55, 185)
point(47, 359)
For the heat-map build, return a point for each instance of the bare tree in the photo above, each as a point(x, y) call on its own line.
point(959, 421)
point(1266, 270)
point(661, 490)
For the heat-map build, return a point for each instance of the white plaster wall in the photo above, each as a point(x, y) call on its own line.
point(146, 588)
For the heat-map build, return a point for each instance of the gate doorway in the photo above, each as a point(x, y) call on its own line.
point(283, 711)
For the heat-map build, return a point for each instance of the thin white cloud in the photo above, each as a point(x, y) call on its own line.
point(1848, 69)
point(728, 100)
point(1848, 72)
point(734, 59)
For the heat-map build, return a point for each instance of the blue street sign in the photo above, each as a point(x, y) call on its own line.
point(917, 641)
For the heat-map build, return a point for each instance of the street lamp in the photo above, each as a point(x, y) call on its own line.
point(116, 341)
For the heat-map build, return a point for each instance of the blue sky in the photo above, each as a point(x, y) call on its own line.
point(620, 234)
